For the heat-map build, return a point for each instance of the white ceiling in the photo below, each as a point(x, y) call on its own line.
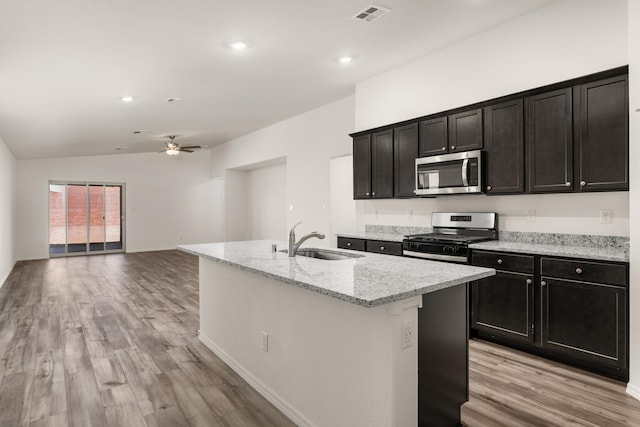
point(64, 64)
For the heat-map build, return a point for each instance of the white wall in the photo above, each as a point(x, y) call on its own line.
point(308, 142)
point(561, 41)
point(169, 200)
point(634, 148)
point(7, 209)
point(267, 202)
point(343, 207)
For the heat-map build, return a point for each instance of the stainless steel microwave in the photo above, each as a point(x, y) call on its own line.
point(456, 173)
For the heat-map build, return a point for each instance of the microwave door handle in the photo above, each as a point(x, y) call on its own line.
point(465, 181)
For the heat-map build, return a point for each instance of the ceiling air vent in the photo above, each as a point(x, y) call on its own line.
point(371, 13)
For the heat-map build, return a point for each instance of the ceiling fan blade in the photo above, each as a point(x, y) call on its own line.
point(190, 147)
point(185, 151)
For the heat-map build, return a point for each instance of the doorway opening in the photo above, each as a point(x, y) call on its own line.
point(85, 218)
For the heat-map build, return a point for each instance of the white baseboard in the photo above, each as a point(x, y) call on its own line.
point(633, 390)
point(284, 407)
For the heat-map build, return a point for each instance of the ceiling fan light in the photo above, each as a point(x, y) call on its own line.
point(173, 151)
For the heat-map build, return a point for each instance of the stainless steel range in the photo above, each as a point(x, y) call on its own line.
point(452, 233)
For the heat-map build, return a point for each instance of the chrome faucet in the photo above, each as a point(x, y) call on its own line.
point(293, 245)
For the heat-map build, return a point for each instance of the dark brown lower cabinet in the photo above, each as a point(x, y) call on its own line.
point(571, 310)
point(585, 320)
point(503, 305)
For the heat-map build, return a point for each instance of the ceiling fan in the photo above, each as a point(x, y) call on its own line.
point(173, 148)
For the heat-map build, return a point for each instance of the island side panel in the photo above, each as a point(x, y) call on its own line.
point(443, 356)
point(329, 362)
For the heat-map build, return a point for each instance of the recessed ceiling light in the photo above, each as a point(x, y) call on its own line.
point(345, 59)
point(127, 98)
point(238, 45)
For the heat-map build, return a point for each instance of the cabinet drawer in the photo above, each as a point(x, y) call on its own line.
point(382, 247)
point(349, 243)
point(600, 272)
point(504, 261)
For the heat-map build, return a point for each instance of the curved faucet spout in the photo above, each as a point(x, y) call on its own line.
point(294, 246)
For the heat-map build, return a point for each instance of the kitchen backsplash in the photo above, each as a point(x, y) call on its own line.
point(584, 240)
point(395, 229)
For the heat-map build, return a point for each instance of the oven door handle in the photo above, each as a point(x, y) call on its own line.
point(436, 257)
point(465, 181)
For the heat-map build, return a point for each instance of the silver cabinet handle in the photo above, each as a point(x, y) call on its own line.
point(499, 261)
point(529, 281)
point(488, 188)
point(579, 270)
point(583, 183)
point(367, 194)
point(444, 148)
point(543, 283)
point(348, 243)
point(382, 248)
point(567, 184)
point(453, 147)
point(373, 194)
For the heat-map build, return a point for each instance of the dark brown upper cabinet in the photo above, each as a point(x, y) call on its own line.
point(373, 165)
point(465, 131)
point(405, 151)
point(433, 137)
point(504, 144)
point(382, 164)
point(602, 135)
point(362, 167)
point(550, 142)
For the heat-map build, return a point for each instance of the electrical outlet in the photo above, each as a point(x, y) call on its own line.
point(264, 341)
point(406, 334)
point(531, 215)
point(606, 216)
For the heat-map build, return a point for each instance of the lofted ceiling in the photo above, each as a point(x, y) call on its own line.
point(65, 64)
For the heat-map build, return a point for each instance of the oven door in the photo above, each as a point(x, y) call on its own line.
point(449, 174)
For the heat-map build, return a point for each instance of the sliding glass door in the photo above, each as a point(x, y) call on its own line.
point(85, 218)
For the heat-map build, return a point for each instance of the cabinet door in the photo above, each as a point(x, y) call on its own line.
point(585, 320)
point(382, 164)
point(504, 142)
point(362, 167)
point(433, 137)
point(465, 131)
point(550, 141)
point(405, 151)
point(602, 156)
point(503, 305)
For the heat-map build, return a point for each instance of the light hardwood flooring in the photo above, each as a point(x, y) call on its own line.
point(110, 340)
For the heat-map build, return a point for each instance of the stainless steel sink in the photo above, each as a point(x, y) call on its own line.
point(325, 254)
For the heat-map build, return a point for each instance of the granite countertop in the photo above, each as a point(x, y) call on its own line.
point(370, 280)
point(387, 237)
point(587, 252)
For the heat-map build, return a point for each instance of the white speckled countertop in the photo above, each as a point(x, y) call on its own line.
point(602, 248)
point(370, 280)
point(585, 252)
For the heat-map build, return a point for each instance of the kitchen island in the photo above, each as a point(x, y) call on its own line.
point(370, 340)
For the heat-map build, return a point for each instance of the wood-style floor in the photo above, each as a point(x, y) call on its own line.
point(110, 340)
